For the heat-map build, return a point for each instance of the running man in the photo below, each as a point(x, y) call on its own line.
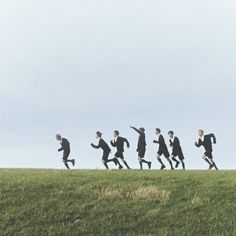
point(119, 142)
point(106, 149)
point(176, 150)
point(163, 150)
point(65, 147)
point(206, 142)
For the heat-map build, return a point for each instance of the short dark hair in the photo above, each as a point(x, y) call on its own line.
point(142, 129)
point(116, 132)
point(158, 130)
point(99, 134)
point(171, 132)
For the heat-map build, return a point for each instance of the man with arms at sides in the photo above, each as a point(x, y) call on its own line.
point(176, 150)
point(106, 149)
point(119, 142)
point(65, 147)
point(141, 149)
point(163, 150)
point(206, 142)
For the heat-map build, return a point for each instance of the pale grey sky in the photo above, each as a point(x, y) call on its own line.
point(75, 67)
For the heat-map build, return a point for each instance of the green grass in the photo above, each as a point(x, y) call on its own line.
point(54, 202)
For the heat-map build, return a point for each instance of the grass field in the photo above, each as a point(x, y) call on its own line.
point(55, 202)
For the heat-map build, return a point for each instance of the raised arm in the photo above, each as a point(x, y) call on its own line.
point(137, 130)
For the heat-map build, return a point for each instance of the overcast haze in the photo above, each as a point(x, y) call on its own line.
point(75, 67)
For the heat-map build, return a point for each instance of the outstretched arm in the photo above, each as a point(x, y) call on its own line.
point(213, 137)
point(137, 130)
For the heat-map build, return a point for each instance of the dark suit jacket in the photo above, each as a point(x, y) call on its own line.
point(119, 143)
point(103, 145)
point(207, 143)
point(162, 144)
point(65, 145)
point(176, 145)
point(141, 141)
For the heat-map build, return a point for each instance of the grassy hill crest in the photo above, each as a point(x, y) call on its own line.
point(127, 202)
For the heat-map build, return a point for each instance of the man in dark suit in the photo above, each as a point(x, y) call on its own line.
point(119, 142)
point(106, 149)
point(141, 149)
point(65, 147)
point(163, 150)
point(176, 150)
point(206, 142)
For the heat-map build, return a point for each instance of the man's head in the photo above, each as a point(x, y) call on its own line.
point(116, 133)
point(157, 131)
point(98, 134)
point(142, 129)
point(58, 137)
point(171, 134)
point(200, 132)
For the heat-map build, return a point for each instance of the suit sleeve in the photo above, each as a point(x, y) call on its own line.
point(213, 137)
point(161, 140)
point(127, 142)
point(113, 144)
point(62, 146)
point(176, 142)
point(198, 143)
point(137, 130)
point(96, 146)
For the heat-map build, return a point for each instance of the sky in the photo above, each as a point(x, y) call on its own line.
point(74, 67)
